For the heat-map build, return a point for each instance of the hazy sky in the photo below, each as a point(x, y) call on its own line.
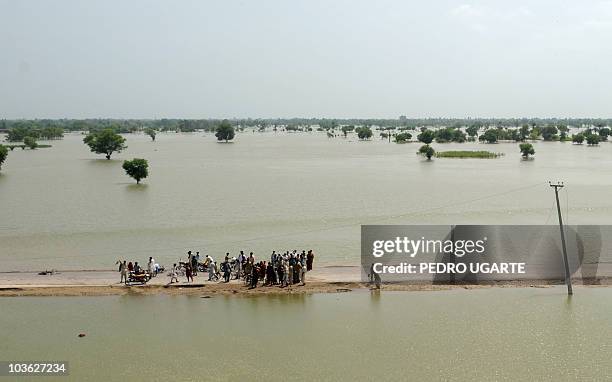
point(289, 58)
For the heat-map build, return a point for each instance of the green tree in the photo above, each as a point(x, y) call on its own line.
point(225, 131)
point(364, 132)
point(515, 135)
point(426, 136)
point(549, 133)
point(444, 135)
point(489, 136)
point(402, 137)
point(22, 129)
point(472, 131)
point(603, 133)
point(151, 133)
point(30, 142)
point(3, 154)
point(105, 142)
point(136, 168)
point(389, 133)
point(526, 149)
point(347, 129)
point(578, 138)
point(450, 134)
point(427, 150)
point(186, 126)
point(524, 132)
point(592, 139)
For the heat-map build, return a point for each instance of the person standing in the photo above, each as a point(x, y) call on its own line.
point(174, 274)
point(251, 258)
point(254, 276)
point(286, 270)
point(309, 260)
point(297, 269)
point(151, 267)
point(302, 270)
point(239, 264)
point(291, 277)
point(188, 272)
point(225, 268)
point(280, 272)
point(123, 269)
point(248, 267)
point(210, 263)
point(194, 263)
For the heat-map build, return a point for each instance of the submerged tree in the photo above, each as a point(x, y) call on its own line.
point(402, 137)
point(151, 133)
point(526, 150)
point(472, 131)
point(549, 133)
point(105, 142)
point(136, 168)
point(427, 136)
point(603, 133)
point(30, 142)
point(490, 136)
point(578, 138)
point(225, 131)
point(524, 132)
point(3, 154)
point(427, 150)
point(346, 129)
point(592, 139)
point(364, 132)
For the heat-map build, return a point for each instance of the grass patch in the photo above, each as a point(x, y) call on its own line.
point(468, 154)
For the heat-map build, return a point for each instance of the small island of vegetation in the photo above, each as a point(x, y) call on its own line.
point(481, 154)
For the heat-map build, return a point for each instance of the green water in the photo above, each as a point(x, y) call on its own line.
point(67, 208)
point(492, 334)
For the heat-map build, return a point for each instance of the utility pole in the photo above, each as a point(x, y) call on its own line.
point(568, 280)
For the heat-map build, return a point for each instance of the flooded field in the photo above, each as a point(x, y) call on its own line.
point(459, 335)
point(67, 208)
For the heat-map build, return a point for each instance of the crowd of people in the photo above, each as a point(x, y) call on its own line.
point(128, 268)
point(283, 269)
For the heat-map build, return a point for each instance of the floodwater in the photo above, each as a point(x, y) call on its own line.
point(67, 208)
point(459, 335)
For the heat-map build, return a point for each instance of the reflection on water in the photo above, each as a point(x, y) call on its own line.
point(489, 334)
point(272, 191)
point(142, 187)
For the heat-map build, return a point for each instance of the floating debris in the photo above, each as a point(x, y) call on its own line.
point(51, 272)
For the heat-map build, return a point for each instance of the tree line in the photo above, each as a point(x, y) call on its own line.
point(290, 124)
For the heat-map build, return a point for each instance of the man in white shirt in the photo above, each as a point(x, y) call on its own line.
point(151, 267)
point(211, 267)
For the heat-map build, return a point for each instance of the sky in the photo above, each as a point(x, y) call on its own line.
point(305, 58)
